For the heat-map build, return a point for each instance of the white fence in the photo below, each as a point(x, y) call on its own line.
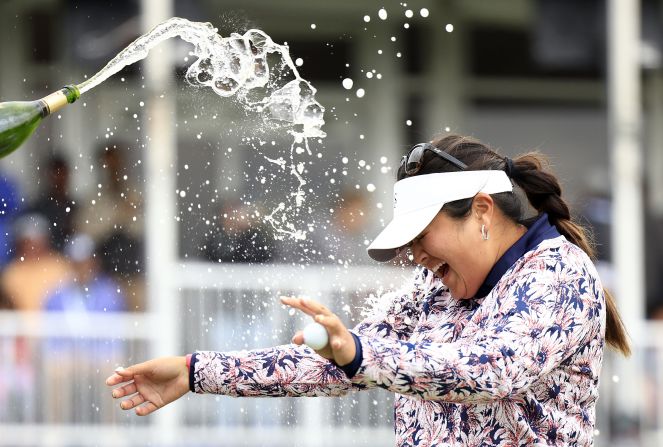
point(53, 367)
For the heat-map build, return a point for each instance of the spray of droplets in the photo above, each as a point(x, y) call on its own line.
point(238, 66)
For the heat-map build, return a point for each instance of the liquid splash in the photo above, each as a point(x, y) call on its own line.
point(257, 72)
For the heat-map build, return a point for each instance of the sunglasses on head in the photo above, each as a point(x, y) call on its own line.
point(412, 162)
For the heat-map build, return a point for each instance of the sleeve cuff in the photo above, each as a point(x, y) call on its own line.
point(191, 360)
point(351, 368)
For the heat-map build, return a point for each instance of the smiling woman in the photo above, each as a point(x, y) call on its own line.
point(497, 341)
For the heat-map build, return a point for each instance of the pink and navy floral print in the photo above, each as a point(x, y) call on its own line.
point(517, 367)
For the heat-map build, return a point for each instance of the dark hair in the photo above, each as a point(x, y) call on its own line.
point(530, 172)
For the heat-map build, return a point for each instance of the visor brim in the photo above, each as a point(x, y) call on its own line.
point(400, 231)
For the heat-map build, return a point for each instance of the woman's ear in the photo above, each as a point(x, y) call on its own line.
point(483, 207)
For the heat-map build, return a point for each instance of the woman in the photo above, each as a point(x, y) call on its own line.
point(498, 341)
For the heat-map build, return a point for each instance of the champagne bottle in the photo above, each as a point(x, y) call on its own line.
point(18, 119)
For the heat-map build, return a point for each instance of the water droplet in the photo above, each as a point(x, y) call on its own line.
point(367, 18)
point(182, 193)
point(347, 83)
point(382, 13)
point(360, 93)
point(449, 27)
point(370, 187)
point(424, 12)
point(299, 62)
point(313, 26)
point(408, 122)
point(142, 104)
point(409, 13)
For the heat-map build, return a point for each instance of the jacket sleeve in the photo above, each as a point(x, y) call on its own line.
point(543, 319)
point(292, 370)
point(287, 370)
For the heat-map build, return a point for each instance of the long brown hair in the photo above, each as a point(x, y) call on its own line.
point(542, 189)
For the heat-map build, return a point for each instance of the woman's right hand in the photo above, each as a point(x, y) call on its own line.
point(151, 385)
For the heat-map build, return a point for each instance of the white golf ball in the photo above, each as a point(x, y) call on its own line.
point(315, 335)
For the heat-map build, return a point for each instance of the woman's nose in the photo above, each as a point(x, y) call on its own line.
point(419, 254)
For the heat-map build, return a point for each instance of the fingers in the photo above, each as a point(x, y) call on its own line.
point(132, 402)
point(334, 326)
point(298, 338)
point(296, 303)
point(315, 307)
point(340, 340)
point(120, 375)
point(146, 409)
point(116, 379)
point(143, 407)
point(125, 390)
point(306, 305)
point(319, 313)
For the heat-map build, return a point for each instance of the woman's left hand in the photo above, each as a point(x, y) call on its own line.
point(341, 346)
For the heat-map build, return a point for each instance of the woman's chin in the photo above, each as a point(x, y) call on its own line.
point(458, 294)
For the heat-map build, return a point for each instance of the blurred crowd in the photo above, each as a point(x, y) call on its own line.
point(59, 253)
point(63, 252)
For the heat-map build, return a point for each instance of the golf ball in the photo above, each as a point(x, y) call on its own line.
point(315, 335)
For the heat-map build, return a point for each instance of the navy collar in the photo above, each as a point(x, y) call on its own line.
point(538, 232)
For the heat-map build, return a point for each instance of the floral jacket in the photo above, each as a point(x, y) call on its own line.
point(518, 367)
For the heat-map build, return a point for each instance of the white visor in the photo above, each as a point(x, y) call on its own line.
point(418, 199)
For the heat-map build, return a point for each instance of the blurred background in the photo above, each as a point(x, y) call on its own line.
point(132, 223)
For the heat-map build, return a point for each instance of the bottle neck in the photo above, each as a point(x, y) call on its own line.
point(57, 100)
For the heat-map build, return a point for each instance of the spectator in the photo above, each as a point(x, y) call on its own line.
point(9, 208)
point(37, 269)
point(55, 201)
point(89, 289)
point(240, 237)
point(342, 239)
point(112, 218)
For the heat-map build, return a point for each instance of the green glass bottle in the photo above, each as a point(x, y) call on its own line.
point(18, 119)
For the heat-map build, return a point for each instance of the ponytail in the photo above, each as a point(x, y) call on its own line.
point(545, 194)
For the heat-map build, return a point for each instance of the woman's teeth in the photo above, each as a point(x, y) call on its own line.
point(439, 268)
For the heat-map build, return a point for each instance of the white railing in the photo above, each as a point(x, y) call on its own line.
point(53, 366)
